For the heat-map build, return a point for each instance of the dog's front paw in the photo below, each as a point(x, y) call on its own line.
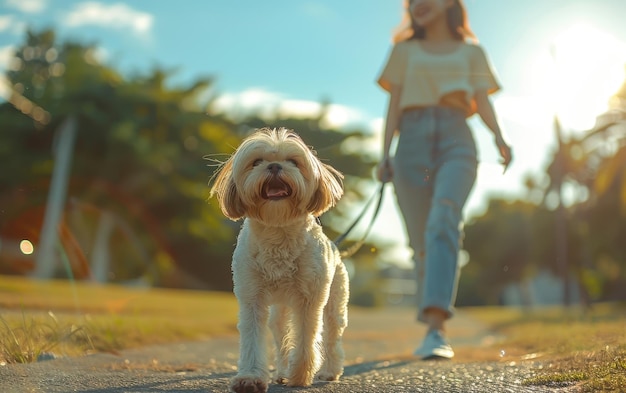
point(281, 380)
point(248, 384)
point(327, 376)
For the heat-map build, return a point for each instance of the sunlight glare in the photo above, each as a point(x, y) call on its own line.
point(587, 69)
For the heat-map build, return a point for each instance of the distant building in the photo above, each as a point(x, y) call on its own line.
point(543, 289)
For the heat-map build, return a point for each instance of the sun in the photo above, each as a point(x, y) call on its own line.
point(583, 68)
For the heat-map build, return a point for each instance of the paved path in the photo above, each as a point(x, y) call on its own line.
point(377, 344)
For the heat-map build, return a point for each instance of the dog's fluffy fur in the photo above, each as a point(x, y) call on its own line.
point(286, 272)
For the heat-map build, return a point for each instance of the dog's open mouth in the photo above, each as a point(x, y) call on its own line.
point(276, 189)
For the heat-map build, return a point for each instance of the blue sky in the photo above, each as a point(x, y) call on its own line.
point(291, 54)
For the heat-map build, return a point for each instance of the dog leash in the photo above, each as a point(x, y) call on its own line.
point(356, 246)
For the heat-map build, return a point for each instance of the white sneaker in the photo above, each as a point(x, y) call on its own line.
point(434, 346)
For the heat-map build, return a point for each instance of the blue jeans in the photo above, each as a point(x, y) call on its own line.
point(434, 171)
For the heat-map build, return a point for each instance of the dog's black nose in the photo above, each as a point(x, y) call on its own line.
point(274, 168)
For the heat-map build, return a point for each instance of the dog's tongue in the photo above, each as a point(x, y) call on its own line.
point(275, 188)
point(276, 192)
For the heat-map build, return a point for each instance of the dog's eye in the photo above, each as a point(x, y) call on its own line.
point(257, 162)
point(294, 162)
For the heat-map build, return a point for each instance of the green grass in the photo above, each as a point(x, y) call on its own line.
point(76, 318)
point(596, 371)
point(30, 338)
point(583, 347)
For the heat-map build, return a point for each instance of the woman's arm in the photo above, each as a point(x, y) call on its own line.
point(385, 171)
point(488, 115)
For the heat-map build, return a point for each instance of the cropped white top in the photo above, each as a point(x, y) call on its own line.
point(429, 79)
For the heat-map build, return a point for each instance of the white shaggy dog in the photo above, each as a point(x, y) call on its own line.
point(285, 270)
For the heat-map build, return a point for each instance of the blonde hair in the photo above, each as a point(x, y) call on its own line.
point(456, 15)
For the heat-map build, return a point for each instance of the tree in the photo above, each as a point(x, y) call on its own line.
point(592, 166)
point(138, 157)
point(499, 244)
point(139, 178)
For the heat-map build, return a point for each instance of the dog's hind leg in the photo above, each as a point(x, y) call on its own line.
point(335, 322)
point(305, 358)
point(279, 325)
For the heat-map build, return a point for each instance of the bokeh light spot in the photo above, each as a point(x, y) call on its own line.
point(26, 247)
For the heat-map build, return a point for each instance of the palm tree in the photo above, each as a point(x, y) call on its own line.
point(593, 163)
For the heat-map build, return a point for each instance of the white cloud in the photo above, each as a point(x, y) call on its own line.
point(27, 6)
point(247, 102)
point(377, 125)
point(341, 116)
point(6, 54)
point(119, 16)
point(9, 24)
point(5, 22)
point(268, 104)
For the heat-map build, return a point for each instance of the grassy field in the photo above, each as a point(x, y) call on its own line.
point(575, 344)
point(36, 317)
point(78, 318)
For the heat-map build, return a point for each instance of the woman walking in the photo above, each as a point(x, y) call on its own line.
point(437, 76)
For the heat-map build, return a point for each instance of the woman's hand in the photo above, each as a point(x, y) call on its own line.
point(487, 114)
point(384, 172)
point(505, 152)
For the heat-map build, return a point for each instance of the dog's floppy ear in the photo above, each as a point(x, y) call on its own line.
point(226, 192)
point(329, 189)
